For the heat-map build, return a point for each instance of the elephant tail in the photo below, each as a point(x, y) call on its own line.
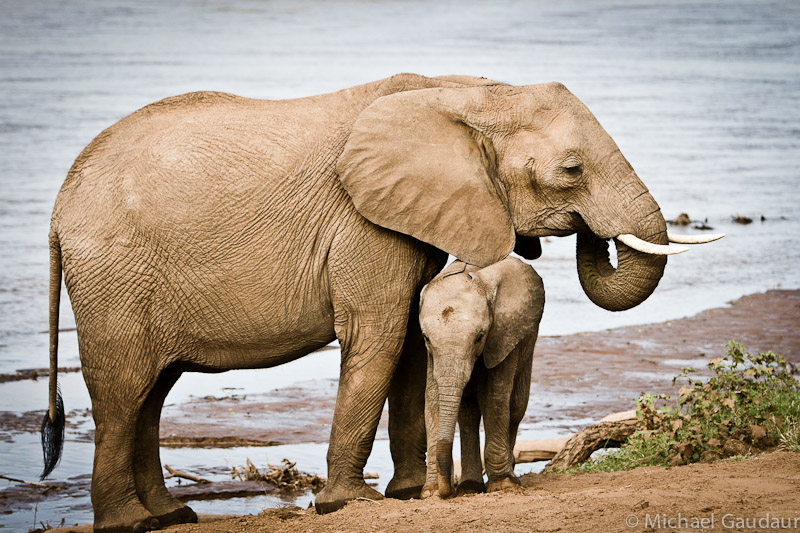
point(53, 422)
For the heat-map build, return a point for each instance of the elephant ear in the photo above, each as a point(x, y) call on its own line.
point(518, 305)
point(414, 164)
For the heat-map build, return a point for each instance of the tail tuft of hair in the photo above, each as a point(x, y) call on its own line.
point(53, 437)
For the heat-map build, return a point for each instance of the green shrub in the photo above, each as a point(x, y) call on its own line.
point(750, 402)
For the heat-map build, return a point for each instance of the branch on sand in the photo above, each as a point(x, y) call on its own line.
point(32, 483)
point(184, 475)
point(284, 477)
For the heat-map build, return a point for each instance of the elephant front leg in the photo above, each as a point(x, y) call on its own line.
point(407, 412)
point(369, 357)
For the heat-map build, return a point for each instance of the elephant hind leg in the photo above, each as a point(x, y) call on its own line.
point(148, 475)
point(116, 406)
point(122, 379)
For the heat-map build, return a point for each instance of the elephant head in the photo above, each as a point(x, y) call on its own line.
point(465, 313)
point(473, 170)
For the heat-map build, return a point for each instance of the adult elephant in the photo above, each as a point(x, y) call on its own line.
point(208, 232)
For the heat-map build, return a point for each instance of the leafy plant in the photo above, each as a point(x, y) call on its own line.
point(750, 402)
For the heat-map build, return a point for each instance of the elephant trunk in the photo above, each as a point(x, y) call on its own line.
point(450, 383)
point(637, 274)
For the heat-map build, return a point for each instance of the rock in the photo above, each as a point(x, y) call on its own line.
point(710, 456)
point(735, 447)
point(682, 220)
point(643, 504)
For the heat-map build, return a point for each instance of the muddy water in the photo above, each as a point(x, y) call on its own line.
point(701, 97)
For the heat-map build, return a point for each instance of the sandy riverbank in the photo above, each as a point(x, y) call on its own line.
point(722, 494)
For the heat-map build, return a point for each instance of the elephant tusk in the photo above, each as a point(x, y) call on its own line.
point(649, 248)
point(693, 239)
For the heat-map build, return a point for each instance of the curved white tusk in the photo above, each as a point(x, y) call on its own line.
point(648, 247)
point(693, 239)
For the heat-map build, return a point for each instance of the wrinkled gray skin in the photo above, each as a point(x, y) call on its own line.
point(480, 328)
point(208, 232)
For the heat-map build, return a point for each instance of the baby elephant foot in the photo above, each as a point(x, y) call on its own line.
point(507, 483)
point(429, 490)
point(470, 486)
point(333, 498)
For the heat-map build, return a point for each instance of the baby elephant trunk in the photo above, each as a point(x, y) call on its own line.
point(449, 402)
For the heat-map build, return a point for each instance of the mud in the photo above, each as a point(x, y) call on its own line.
point(282, 416)
point(34, 373)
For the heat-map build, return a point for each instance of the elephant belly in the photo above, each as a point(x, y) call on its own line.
point(212, 358)
point(247, 321)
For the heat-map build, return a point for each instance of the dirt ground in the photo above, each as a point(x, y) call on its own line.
point(724, 495)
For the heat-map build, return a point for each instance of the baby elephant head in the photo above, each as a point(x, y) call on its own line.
point(467, 312)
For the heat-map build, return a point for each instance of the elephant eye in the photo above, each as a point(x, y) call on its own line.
point(479, 337)
point(573, 166)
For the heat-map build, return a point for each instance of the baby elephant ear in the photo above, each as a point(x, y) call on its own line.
point(518, 306)
point(414, 164)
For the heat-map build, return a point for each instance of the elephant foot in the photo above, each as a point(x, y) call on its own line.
point(182, 515)
point(140, 526)
point(130, 518)
point(429, 490)
point(470, 486)
point(507, 483)
point(333, 498)
point(406, 487)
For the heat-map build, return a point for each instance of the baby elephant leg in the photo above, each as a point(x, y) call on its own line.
point(469, 419)
point(496, 408)
point(431, 485)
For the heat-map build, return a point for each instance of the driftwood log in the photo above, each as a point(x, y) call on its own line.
point(572, 450)
point(601, 435)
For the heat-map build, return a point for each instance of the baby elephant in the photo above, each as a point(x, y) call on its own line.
point(480, 327)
